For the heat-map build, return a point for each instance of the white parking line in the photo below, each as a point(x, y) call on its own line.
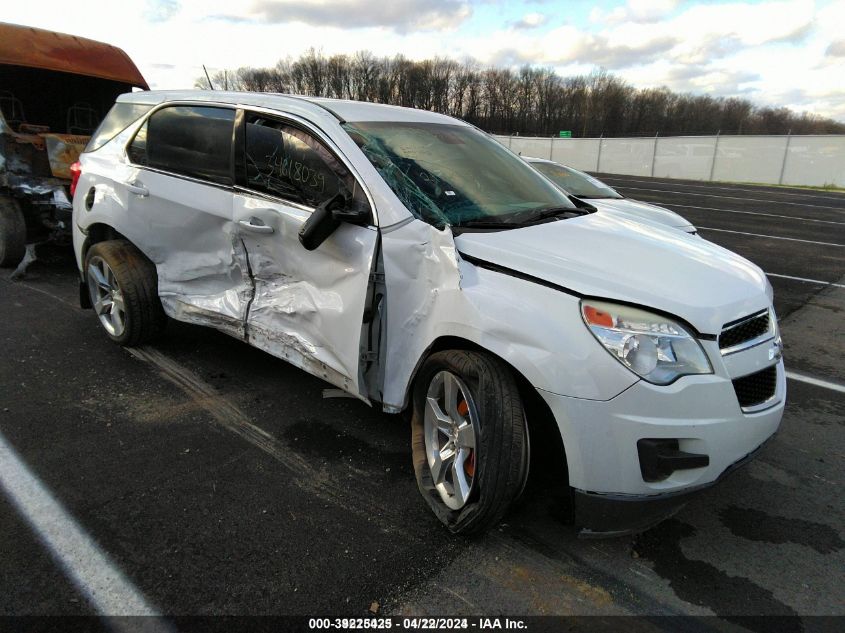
point(826, 384)
point(809, 281)
point(769, 215)
point(90, 569)
point(810, 193)
point(772, 237)
point(709, 195)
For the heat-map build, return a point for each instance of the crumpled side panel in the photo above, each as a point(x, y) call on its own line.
point(207, 288)
point(308, 305)
point(292, 319)
point(422, 286)
point(432, 293)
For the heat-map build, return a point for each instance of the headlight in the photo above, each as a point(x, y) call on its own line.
point(652, 346)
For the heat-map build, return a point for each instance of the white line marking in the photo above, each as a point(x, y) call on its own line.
point(811, 193)
point(809, 281)
point(826, 384)
point(770, 215)
point(772, 237)
point(90, 569)
point(709, 195)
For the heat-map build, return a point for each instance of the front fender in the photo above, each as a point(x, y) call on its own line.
point(433, 293)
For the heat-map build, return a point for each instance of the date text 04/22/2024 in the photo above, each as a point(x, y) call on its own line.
point(410, 624)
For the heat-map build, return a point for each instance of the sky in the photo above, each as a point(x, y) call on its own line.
point(777, 53)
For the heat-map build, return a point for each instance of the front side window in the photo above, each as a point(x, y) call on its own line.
point(287, 162)
point(575, 182)
point(193, 141)
point(454, 174)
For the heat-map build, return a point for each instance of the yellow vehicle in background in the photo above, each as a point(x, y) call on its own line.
point(55, 89)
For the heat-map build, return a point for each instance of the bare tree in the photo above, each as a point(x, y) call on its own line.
point(527, 101)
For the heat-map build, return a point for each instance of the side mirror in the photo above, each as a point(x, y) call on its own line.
point(328, 216)
point(352, 214)
point(321, 224)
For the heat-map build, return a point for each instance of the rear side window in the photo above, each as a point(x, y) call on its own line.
point(118, 119)
point(287, 162)
point(193, 141)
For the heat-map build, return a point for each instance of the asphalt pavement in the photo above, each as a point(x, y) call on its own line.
point(211, 478)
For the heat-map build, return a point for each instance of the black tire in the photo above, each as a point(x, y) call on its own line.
point(144, 318)
point(501, 460)
point(12, 232)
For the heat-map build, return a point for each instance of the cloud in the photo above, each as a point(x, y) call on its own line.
point(162, 10)
point(599, 51)
point(400, 15)
point(567, 45)
point(530, 21)
point(836, 49)
point(717, 82)
point(638, 11)
point(711, 46)
point(825, 102)
point(795, 36)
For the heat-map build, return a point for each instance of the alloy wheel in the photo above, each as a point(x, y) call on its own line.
point(106, 296)
point(450, 425)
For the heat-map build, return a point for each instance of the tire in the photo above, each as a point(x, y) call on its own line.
point(123, 287)
point(492, 473)
point(12, 232)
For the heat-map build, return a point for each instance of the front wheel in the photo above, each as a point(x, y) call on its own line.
point(469, 439)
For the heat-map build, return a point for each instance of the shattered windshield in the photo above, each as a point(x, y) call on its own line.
point(453, 174)
point(575, 182)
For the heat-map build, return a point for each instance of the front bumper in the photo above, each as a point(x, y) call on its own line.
point(607, 515)
point(700, 412)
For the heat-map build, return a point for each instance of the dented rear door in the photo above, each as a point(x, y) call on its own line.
point(179, 193)
point(308, 306)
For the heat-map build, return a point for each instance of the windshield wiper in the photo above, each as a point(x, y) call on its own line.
point(484, 224)
point(543, 213)
point(520, 218)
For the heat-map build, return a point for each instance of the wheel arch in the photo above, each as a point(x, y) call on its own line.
point(99, 232)
point(548, 448)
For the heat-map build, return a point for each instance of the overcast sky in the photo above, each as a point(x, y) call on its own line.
point(788, 52)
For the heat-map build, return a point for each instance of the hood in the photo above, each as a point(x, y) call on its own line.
point(642, 211)
point(615, 257)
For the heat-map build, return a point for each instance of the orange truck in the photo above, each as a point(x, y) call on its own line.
point(55, 89)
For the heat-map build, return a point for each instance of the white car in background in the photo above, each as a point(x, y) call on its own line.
point(605, 198)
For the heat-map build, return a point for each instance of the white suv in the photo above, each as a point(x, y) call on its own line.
point(409, 259)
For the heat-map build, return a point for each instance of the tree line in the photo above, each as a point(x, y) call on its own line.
point(528, 101)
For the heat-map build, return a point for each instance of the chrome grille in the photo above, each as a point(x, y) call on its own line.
point(748, 329)
point(756, 388)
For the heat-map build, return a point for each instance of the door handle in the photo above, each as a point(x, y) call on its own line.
point(137, 188)
point(255, 228)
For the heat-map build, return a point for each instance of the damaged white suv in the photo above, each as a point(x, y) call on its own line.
point(409, 259)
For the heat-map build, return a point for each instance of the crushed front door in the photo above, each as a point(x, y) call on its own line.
point(308, 306)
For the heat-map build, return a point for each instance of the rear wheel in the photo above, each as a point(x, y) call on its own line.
point(12, 232)
point(123, 288)
point(469, 439)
